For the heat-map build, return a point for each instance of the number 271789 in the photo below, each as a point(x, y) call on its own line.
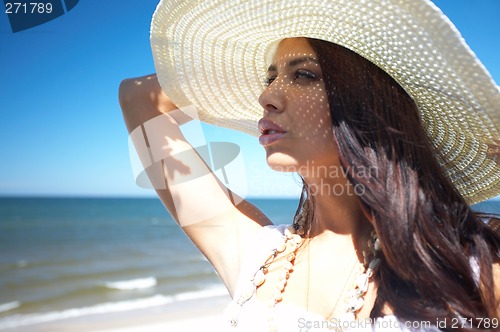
point(28, 8)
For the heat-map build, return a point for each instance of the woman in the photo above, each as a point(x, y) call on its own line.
point(366, 103)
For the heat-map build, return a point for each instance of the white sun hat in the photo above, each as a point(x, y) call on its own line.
point(214, 55)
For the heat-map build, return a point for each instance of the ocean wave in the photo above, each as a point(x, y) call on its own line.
point(141, 283)
point(19, 320)
point(22, 263)
point(37, 318)
point(9, 306)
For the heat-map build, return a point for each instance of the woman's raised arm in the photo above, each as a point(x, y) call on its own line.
point(204, 208)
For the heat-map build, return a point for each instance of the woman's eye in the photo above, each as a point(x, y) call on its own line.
point(302, 73)
point(269, 80)
point(299, 74)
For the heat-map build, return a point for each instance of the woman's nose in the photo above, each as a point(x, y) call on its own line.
point(272, 98)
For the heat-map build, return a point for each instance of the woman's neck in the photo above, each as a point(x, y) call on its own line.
point(337, 211)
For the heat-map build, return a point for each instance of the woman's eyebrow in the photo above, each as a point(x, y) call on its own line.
point(294, 62)
point(298, 61)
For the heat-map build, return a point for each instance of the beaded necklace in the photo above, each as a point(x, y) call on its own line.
point(293, 238)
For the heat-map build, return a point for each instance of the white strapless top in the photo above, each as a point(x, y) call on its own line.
point(255, 316)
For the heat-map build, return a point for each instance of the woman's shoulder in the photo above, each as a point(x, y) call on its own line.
point(264, 240)
point(275, 229)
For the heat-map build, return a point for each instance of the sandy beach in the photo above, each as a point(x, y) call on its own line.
point(189, 315)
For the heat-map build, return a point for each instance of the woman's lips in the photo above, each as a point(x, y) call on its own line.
point(266, 139)
point(271, 132)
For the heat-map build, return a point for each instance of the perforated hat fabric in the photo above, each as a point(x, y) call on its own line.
point(214, 55)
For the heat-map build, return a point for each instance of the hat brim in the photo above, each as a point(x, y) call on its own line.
point(214, 55)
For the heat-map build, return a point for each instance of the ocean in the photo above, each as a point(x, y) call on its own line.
point(71, 257)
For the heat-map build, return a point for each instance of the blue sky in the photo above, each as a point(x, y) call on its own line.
point(61, 130)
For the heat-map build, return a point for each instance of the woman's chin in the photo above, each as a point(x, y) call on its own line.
point(281, 162)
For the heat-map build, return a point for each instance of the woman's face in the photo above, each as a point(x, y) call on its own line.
point(296, 127)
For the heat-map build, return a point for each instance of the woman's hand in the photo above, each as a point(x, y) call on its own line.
point(142, 99)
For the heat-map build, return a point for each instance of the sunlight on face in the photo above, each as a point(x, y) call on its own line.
point(296, 126)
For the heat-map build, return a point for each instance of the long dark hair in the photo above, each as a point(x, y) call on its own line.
point(437, 252)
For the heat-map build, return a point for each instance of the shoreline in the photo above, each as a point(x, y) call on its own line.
point(188, 315)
